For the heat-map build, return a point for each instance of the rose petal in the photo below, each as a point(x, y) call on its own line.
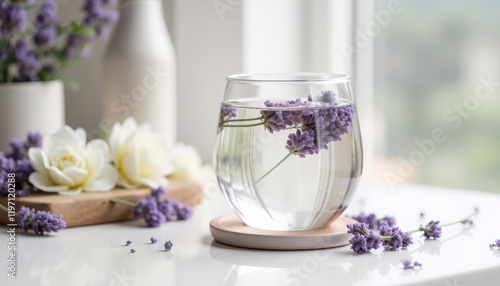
point(130, 165)
point(105, 182)
point(39, 160)
point(64, 136)
point(44, 183)
point(98, 157)
point(59, 178)
point(71, 192)
point(78, 175)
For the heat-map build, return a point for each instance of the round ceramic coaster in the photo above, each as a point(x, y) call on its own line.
point(230, 229)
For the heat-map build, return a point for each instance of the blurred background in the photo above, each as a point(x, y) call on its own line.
point(424, 74)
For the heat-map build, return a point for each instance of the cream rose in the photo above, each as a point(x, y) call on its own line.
point(67, 165)
point(139, 155)
point(187, 163)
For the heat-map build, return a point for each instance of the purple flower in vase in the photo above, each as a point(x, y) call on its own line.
point(72, 43)
point(301, 143)
point(45, 20)
point(45, 36)
point(47, 14)
point(227, 112)
point(13, 20)
point(329, 97)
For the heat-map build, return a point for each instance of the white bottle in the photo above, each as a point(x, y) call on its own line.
point(140, 69)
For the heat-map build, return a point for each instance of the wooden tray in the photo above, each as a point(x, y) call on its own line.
point(93, 208)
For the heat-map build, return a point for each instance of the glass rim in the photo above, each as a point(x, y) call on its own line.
point(297, 78)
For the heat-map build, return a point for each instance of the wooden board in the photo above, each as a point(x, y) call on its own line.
point(93, 208)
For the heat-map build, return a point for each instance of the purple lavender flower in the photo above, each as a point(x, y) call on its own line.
point(72, 43)
point(153, 240)
point(395, 238)
point(360, 228)
point(154, 218)
point(301, 143)
point(34, 139)
point(47, 14)
point(390, 221)
point(496, 244)
point(13, 20)
point(15, 161)
point(28, 64)
point(432, 230)
point(373, 241)
point(329, 97)
point(156, 211)
point(45, 36)
point(408, 264)
point(168, 209)
point(227, 112)
point(168, 245)
point(20, 49)
point(358, 243)
point(372, 221)
point(278, 120)
point(128, 242)
point(132, 250)
point(39, 221)
point(98, 17)
point(158, 192)
point(363, 240)
point(144, 205)
point(184, 212)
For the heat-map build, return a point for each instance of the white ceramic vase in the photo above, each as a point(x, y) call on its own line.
point(30, 106)
point(140, 69)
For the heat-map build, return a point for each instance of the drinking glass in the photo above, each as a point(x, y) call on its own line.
point(288, 152)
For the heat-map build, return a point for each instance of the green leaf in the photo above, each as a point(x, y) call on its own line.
point(86, 32)
point(105, 131)
point(71, 84)
point(43, 75)
point(76, 27)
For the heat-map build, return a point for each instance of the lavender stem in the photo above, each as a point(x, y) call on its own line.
point(250, 125)
point(275, 166)
point(238, 120)
point(122, 202)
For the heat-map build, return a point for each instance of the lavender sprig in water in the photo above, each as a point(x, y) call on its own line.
point(317, 122)
point(156, 211)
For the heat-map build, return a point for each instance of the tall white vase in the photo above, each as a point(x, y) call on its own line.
point(140, 69)
point(30, 106)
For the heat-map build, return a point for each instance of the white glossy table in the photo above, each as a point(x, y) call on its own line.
point(95, 255)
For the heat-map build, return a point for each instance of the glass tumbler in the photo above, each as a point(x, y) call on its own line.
point(288, 152)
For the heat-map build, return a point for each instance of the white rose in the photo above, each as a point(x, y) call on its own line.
point(64, 164)
point(139, 155)
point(187, 163)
